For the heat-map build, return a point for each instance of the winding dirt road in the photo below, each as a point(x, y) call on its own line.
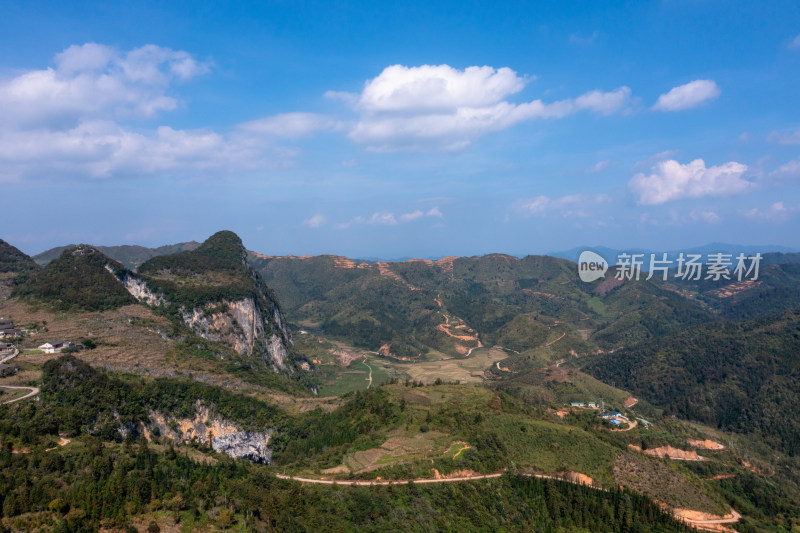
point(33, 392)
point(735, 517)
point(370, 371)
point(368, 483)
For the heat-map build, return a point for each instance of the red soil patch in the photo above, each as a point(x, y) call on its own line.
point(669, 452)
point(705, 444)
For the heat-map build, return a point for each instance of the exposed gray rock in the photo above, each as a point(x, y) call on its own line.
point(249, 445)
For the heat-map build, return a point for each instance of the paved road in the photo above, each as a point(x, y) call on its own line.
point(33, 392)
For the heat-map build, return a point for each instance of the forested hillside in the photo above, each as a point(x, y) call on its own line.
point(739, 376)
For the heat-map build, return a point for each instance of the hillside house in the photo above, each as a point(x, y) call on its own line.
point(55, 346)
point(5, 370)
point(9, 332)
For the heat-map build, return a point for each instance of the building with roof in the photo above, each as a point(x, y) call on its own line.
point(55, 346)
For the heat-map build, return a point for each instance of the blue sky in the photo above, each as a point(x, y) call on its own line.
point(400, 129)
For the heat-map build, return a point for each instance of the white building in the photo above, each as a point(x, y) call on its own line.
point(55, 346)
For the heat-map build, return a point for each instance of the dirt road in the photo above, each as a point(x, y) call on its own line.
point(10, 357)
point(558, 339)
point(735, 517)
point(33, 392)
point(370, 372)
point(367, 483)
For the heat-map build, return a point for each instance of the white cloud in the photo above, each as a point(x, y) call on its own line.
point(794, 44)
point(581, 40)
point(687, 96)
point(289, 125)
point(671, 181)
point(315, 221)
point(434, 212)
point(788, 170)
point(599, 166)
point(775, 212)
point(437, 87)
point(571, 205)
point(408, 217)
point(74, 119)
point(785, 138)
point(389, 219)
point(96, 81)
point(99, 149)
point(705, 215)
point(440, 107)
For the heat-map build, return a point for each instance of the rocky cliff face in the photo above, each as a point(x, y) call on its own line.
point(241, 324)
point(222, 435)
point(219, 296)
point(138, 288)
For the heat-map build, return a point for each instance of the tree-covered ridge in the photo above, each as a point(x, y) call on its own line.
point(78, 280)
point(739, 376)
point(15, 263)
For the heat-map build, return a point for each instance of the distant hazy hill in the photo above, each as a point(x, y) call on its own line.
point(739, 376)
point(130, 256)
point(80, 278)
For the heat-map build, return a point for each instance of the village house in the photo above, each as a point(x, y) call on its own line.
point(7, 329)
point(55, 346)
point(5, 370)
point(9, 332)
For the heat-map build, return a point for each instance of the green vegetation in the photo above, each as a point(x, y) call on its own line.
point(740, 377)
point(77, 280)
point(15, 264)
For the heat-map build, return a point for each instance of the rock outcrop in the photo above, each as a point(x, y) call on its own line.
point(222, 435)
point(138, 288)
point(251, 445)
